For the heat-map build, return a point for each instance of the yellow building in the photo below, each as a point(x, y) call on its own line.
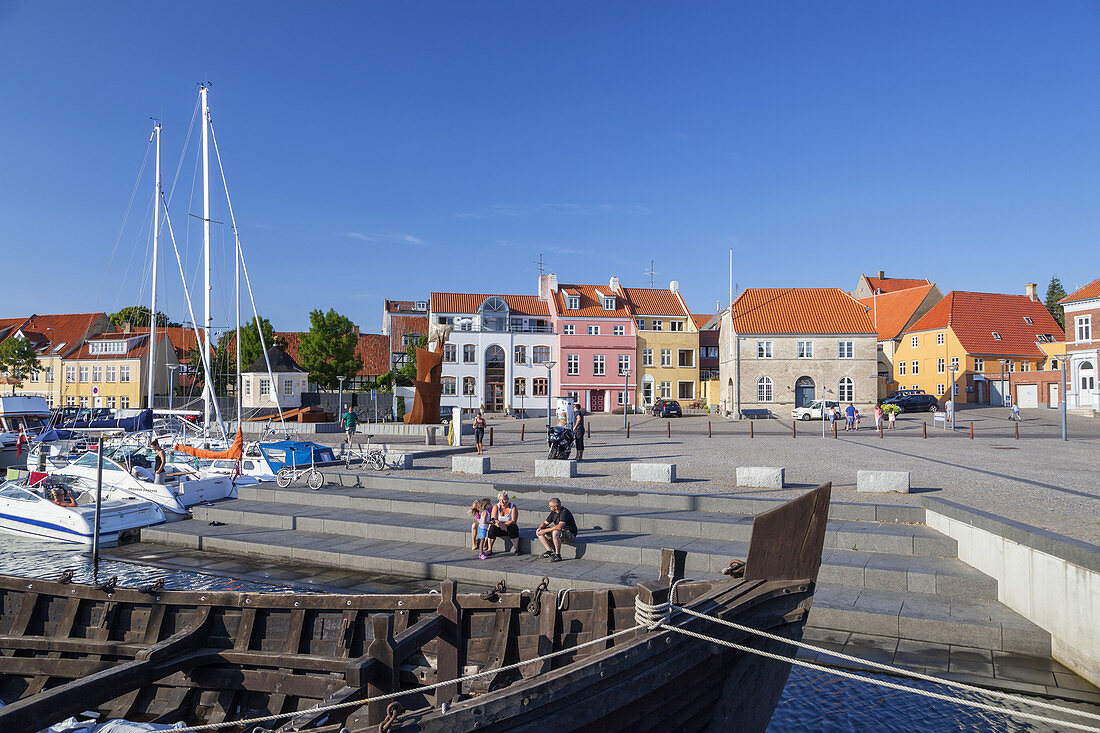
point(54, 337)
point(967, 338)
point(110, 370)
point(668, 345)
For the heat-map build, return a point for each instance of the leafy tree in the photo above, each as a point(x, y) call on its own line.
point(18, 359)
point(224, 359)
point(328, 350)
point(408, 370)
point(138, 316)
point(1056, 292)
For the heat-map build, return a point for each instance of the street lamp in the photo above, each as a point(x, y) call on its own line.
point(953, 370)
point(626, 393)
point(549, 365)
point(172, 385)
point(340, 402)
point(1002, 383)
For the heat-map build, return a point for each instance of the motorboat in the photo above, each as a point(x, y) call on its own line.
point(62, 509)
point(182, 485)
point(25, 413)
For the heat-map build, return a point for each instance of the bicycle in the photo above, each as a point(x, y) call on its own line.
point(376, 458)
point(289, 474)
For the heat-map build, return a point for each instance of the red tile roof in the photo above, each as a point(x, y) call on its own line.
point(63, 328)
point(973, 317)
point(591, 304)
point(402, 306)
point(700, 319)
point(373, 349)
point(182, 338)
point(1092, 290)
point(520, 305)
point(894, 284)
point(135, 351)
point(895, 309)
point(655, 302)
point(798, 311)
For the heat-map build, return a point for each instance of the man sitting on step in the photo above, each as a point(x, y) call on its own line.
point(559, 521)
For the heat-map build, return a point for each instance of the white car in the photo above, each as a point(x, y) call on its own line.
point(812, 411)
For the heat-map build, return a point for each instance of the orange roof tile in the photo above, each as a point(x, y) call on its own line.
point(895, 309)
point(800, 310)
point(894, 284)
point(1092, 290)
point(654, 302)
point(591, 305)
point(700, 319)
point(520, 305)
point(182, 338)
point(974, 317)
point(64, 328)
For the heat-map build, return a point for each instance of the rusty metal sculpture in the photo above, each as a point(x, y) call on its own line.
point(429, 382)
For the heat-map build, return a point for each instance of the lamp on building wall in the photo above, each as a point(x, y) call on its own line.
point(549, 404)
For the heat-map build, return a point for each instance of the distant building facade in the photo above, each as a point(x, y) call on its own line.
point(1082, 310)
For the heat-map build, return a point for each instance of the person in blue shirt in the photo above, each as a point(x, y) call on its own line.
point(850, 417)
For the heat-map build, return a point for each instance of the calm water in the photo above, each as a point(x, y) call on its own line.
point(812, 701)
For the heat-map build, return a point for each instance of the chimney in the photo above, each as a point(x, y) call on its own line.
point(543, 291)
point(552, 282)
point(614, 284)
point(126, 328)
point(674, 286)
point(1032, 292)
point(882, 274)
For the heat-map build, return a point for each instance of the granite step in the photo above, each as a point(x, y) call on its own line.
point(885, 571)
point(905, 539)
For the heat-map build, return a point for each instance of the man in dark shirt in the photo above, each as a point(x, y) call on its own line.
point(560, 520)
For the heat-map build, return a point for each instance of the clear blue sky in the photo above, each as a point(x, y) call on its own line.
point(389, 149)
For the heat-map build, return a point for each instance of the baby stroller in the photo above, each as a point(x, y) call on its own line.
point(560, 440)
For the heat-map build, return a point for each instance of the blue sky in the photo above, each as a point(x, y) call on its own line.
point(389, 149)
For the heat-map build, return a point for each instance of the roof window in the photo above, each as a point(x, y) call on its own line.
point(996, 335)
point(1028, 320)
point(573, 302)
point(609, 302)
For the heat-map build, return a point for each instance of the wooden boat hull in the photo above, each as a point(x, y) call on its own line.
point(153, 655)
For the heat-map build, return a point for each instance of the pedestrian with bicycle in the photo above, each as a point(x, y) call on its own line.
point(479, 431)
point(350, 420)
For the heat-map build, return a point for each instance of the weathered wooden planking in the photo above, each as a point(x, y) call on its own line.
point(786, 542)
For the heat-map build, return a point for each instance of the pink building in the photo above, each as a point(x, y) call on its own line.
point(597, 342)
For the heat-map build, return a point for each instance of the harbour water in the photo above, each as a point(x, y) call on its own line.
point(812, 700)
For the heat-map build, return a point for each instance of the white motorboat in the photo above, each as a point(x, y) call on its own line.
point(131, 469)
point(63, 509)
point(20, 412)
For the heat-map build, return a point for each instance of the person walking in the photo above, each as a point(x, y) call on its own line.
point(578, 430)
point(479, 431)
point(878, 416)
point(350, 420)
point(832, 416)
point(850, 417)
point(1014, 414)
point(893, 413)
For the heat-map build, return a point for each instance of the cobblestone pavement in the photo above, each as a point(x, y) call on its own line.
point(1039, 479)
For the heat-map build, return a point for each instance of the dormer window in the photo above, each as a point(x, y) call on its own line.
point(609, 302)
point(1028, 321)
point(573, 302)
point(420, 305)
point(996, 335)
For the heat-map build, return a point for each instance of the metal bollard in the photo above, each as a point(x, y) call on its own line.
point(669, 426)
point(880, 431)
point(834, 429)
point(972, 431)
point(750, 428)
point(711, 436)
point(589, 430)
point(490, 436)
point(522, 427)
point(925, 426)
point(794, 429)
point(1017, 431)
point(628, 430)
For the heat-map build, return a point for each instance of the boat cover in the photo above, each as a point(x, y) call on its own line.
point(283, 453)
point(233, 453)
point(142, 421)
point(72, 725)
point(54, 434)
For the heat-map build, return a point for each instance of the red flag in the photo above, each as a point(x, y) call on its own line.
point(20, 441)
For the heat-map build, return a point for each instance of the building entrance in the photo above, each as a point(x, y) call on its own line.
point(494, 379)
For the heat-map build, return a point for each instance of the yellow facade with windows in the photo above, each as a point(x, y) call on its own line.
point(668, 360)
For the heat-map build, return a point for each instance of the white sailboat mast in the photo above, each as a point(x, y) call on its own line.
point(207, 396)
point(153, 304)
point(237, 284)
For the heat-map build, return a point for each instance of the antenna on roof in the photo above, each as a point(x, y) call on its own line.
point(542, 267)
point(651, 272)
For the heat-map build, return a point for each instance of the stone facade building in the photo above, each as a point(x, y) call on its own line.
point(1082, 309)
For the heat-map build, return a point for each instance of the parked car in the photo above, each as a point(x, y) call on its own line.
point(914, 403)
point(812, 411)
point(903, 392)
point(667, 408)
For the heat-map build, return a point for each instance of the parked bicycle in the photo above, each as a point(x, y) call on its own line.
point(377, 458)
point(289, 474)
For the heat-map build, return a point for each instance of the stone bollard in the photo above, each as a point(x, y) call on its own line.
point(883, 481)
point(660, 473)
point(760, 477)
point(555, 469)
point(470, 464)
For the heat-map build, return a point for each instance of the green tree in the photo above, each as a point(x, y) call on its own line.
point(328, 350)
point(18, 360)
point(408, 371)
point(1056, 292)
point(223, 361)
point(138, 316)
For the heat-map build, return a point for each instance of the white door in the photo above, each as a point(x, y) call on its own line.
point(1027, 395)
point(1054, 395)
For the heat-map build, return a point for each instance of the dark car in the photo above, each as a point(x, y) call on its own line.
point(904, 392)
point(914, 403)
point(667, 408)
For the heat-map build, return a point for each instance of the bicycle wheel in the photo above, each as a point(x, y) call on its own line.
point(316, 480)
point(377, 462)
point(284, 477)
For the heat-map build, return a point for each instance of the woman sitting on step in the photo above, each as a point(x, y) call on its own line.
point(503, 522)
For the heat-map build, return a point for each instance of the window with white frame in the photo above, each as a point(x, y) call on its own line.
point(97, 374)
point(914, 367)
point(955, 391)
point(1053, 364)
point(34, 376)
point(1025, 366)
point(658, 325)
point(519, 386)
point(593, 329)
point(901, 368)
point(450, 353)
point(520, 354)
point(265, 387)
point(70, 374)
point(572, 364)
point(641, 323)
point(939, 339)
point(469, 354)
point(763, 349)
point(124, 373)
point(666, 390)
point(686, 390)
point(805, 349)
point(598, 366)
point(124, 402)
point(450, 385)
point(540, 354)
point(111, 371)
point(913, 341)
point(979, 365)
point(846, 391)
point(83, 401)
point(49, 401)
point(624, 364)
point(675, 325)
point(569, 329)
point(288, 386)
point(540, 386)
point(1010, 366)
point(575, 396)
point(248, 386)
point(764, 389)
point(955, 363)
point(469, 386)
point(941, 389)
point(685, 358)
point(573, 302)
point(609, 302)
point(647, 357)
point(83, 374)
point(666, 357)
point(845, 349)
point(70, 401)
point(49, 374)
point(620, 393)
point(941, 365)
point(618, 330)
point(1083, 326)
